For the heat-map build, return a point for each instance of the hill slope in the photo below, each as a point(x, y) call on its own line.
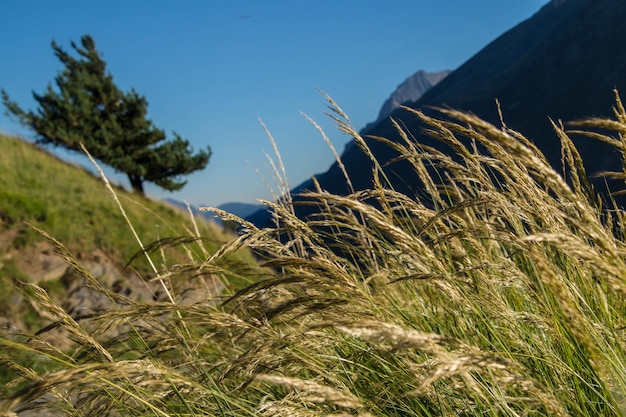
point(74, 207)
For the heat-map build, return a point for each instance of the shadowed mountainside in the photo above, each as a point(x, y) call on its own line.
point(563, 63)
point(411, 89)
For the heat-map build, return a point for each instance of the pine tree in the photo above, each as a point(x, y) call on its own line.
point(87, 107)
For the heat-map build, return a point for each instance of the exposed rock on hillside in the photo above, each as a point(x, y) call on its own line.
point(411, 89)
point(41, 265)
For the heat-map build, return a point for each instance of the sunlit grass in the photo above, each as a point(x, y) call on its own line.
point(500, 292)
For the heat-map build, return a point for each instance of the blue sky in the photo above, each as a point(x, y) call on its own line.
point(211, 69)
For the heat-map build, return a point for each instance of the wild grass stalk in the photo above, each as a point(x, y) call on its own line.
point(498, 292)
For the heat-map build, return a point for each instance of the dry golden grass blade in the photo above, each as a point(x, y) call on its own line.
point(196, 232)
point(398, 338)
point(310, 391)
point(573, 164)
point(68, 258)
point(334, 151)
point(130, 224)
point(76, 332)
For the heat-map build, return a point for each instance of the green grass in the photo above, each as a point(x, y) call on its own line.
point(76, 208)
point(499, 294)
point(36, 187)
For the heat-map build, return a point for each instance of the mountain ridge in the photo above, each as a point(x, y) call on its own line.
point(410, 90)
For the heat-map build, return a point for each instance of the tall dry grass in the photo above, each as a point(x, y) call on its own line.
point(500, 292)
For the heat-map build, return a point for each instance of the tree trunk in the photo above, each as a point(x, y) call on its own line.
point(137, 183)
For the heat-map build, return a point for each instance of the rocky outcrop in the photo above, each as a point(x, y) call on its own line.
point(411, 90)
point(40, 264)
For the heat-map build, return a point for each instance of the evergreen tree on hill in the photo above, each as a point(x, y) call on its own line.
point(87, 107)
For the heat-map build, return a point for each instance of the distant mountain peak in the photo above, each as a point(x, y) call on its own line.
point(411, 90)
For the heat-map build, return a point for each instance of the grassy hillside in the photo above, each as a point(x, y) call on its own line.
point(498, 291)
point(74, 207)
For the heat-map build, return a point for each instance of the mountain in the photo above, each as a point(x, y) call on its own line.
point(238, 209)
point(182, 206)
point(242, 210)
point(562, 63)
point(412, 89)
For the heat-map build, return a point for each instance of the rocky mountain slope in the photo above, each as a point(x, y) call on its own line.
point(412, 89)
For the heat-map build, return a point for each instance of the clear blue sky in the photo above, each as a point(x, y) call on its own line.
point(210, 69)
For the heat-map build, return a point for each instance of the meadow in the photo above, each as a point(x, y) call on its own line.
point(500, 291)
